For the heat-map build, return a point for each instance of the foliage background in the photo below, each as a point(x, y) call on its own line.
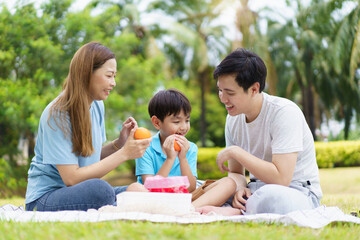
point(312, 58)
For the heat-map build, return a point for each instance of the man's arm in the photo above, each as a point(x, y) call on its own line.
point(279, 171)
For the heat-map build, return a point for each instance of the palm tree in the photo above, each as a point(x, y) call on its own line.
point(251, 38)
point(300, 49)
point(194, 41)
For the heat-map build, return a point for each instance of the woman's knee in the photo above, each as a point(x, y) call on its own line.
point(100, 191)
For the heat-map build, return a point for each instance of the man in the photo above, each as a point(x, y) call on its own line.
point(269, 137)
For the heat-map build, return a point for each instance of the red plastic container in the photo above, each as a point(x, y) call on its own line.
point(167, 185)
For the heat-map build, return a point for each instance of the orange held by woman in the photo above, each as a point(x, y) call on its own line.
point(142, 133)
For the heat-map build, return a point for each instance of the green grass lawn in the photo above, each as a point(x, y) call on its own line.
point(341, 187)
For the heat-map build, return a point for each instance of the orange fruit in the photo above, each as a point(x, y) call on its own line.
point(142, 133)
point(177, 147)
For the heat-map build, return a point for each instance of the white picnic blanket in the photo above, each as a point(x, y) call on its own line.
point(316, 218)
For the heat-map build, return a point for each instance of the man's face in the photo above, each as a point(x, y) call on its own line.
point(236, 100)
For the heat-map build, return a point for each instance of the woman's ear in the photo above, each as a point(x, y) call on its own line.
point(156, 122)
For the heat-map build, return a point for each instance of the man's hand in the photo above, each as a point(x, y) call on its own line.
point(240, 198)
point(222, 157)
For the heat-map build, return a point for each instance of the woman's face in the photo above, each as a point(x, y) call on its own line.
point(103, 80)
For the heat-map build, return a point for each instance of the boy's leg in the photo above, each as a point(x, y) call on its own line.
point(217, 193)
point(277, 199)
point(93, 193)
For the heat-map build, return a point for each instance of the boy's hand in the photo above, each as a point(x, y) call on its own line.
point(168, 147)
point(184, 145)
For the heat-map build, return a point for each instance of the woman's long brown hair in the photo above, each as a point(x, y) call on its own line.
point(73, 103)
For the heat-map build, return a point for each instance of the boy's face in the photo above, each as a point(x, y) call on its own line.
point(179, 124)
point(236, 100)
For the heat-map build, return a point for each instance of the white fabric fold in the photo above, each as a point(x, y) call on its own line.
point(316, 218)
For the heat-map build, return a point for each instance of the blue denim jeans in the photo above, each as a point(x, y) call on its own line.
point(92, 193)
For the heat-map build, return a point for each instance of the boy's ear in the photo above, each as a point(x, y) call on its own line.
point(156, 122)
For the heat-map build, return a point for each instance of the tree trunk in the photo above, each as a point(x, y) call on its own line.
point(204, 79)
point(307, 102)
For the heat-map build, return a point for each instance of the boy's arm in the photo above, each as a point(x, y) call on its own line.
point(186, 171)
point(143, 177)
point(184, 163)
point(168, 147)
point(166, 167)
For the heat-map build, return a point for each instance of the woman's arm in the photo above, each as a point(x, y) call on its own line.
point(73, 174)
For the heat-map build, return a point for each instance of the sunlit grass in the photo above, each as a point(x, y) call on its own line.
point(348, 201)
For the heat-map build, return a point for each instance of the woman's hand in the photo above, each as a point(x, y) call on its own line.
point(127, 126)
point(135, 148)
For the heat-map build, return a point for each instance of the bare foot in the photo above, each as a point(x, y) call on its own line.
point(225, 211)
point(136, 187)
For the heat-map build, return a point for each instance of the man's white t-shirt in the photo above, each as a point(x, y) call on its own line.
point(279, 128)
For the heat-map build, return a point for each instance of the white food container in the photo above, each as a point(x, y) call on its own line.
point(154, 202)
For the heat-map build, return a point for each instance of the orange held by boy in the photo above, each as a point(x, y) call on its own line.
point(176, 146)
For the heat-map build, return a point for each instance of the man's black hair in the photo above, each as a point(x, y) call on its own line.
point(246, 66)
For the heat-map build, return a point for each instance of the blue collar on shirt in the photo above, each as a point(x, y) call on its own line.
point(156, 145)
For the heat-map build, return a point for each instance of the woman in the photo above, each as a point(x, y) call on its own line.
point(66, 169)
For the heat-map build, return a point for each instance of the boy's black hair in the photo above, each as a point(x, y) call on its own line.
point(247, 67)
point(167, 102)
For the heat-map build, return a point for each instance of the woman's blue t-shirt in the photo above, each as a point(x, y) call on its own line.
point(53, 148)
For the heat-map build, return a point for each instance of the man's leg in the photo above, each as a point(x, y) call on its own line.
point(277, 199)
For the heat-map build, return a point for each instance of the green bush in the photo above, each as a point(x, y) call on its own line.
point(12, 179)
point(338, 154)
point(328, 155)
point(206, 164)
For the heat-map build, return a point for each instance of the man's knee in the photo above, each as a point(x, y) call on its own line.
point(278, 199)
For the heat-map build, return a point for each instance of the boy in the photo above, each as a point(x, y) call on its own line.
point(170, 114)
point(169, 111)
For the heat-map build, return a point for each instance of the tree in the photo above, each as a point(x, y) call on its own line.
point(305, 43)
point(190, 41)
